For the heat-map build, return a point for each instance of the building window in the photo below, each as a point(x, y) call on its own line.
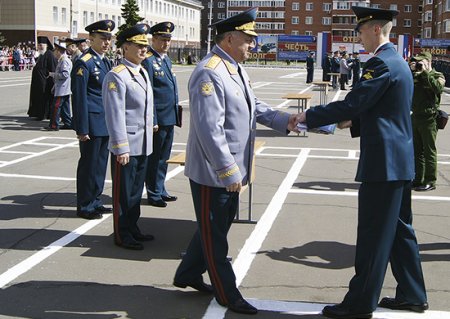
point(427, 33)
point(55, 15)
point(393, 7)
point(326, 20)
point(85, 18)
point(308, 20)
point(438, 28)
point(429, 1)
point(394, 22)
point(308, 33)
point(408, 8)
point(342, 5)
point(392, 35)
point(91, 19)
point(63, 16)
point(221, 16)
point(221, 4)
point(295, 32)
point(309, 6)
point(420, 9)
point(419, 23)
point(428, 16)
point(100, 16)
point(447, 5)
point(327, 7)
point(375, 6)
point(295, 20)
point(296, 6)
point(447, 26)
point(407, 23)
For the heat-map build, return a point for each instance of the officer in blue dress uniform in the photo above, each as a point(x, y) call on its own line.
point(89, 120)
point(165, 92)
point(128, 102)
point(219, 153)
point(379, 109)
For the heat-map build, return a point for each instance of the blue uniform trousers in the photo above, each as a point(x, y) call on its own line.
point(91, 173)
point(157, 162)
point(128, 183)
point(215, 209)
point(385, 234)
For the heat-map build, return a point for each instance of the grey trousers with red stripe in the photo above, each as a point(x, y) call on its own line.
point(215, 209)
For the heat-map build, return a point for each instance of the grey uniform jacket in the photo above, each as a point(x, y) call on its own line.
point(62, 76)
point(223, 116)
point(128, 103)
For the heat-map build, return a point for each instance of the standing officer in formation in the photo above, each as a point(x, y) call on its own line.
point(219, 154)
point(428, 87)
point(310, 67)
point(128, 103)
point(335, 68)
point(89, 120)
point(61, 90)
point(356, 68)
point(165, 92)
point(326, 67)
point(379, 107)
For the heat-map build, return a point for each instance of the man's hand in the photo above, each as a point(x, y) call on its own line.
point(235, 187)
point(344, 124)
point(83, 138)
point(123, 159)
point(294, 119)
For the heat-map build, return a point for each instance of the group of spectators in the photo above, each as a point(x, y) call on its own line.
point(17, 58)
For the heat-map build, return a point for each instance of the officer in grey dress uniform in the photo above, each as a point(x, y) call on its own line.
point(219, 155)
point(128, 102)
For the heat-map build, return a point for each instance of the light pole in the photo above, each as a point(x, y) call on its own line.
point(209, 26)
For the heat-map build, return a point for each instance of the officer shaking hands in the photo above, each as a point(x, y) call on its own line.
point(128, 102)
point(165, 92)
point(89, 120)
point(219, 155)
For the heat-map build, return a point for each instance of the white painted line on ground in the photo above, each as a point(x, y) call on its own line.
point(13, 80)
point(292, 75)
point(17, 152)
point(23, 78)
point(22, 267)
point(306, 308)
point(184, 102)
point(49, 178)
point(336, 97)
point(253, 243)
point(258, 85)
point(19, 84)
point(27, 264)
point(351, 193)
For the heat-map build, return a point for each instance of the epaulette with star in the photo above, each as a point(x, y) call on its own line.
point(149, 54)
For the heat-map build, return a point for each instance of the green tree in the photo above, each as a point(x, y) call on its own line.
point(130, 10)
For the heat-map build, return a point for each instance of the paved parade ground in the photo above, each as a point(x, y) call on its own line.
point(297, 258)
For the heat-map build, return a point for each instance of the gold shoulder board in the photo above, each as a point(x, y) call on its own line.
point(213, 62)
point(86, 57)
point(119, 68)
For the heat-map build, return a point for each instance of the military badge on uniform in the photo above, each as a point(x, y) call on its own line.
point(368, 74)
point(112, 86)
point(80, 72)
point(207, 88)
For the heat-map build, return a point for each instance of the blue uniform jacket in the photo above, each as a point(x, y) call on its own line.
point(87, 78)
point(165, 91)
point(379, 106)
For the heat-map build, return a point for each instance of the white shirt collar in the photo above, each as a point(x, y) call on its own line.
point(101, 56)
point(380, 46)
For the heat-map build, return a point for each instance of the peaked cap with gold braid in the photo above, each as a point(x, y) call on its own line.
point(163, 29)
point(244, 21)
point(135, 34)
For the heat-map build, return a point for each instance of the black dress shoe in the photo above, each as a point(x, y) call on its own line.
point(340, 312)
point(133, 245)
point(169, 198)
point(199, 285)
point(242, 306)
point(143, 237)
point(393, 304)
point(157, 203)
point(424, 188)
point(93, 215)
point(103, 209)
